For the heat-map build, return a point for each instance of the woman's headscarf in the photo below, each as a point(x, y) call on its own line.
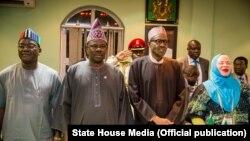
point(225, 87)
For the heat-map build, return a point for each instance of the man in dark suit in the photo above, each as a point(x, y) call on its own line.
point(240, 66)
point(193, 58)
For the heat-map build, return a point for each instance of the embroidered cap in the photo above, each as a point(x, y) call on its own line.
point(137, 44)
point(96, 32)
point(30, 34)
point(156, 31)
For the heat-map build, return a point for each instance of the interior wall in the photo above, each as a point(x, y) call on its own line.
point(220, 25)
point(232, 28)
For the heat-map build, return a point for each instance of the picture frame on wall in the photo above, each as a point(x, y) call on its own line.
point(162, 11)
point(172, 36)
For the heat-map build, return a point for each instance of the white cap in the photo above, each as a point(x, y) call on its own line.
point(156, 31)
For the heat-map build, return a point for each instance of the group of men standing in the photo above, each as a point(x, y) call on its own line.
point(33, 99)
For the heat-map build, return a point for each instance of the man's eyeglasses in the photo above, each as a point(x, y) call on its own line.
point(159, 41)
point(102, 46)
point(28, 46)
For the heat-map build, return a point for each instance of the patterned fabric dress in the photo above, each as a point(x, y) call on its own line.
point(202, 105)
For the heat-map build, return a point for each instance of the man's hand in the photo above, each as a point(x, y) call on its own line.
point(122, 55)
point(161, 121)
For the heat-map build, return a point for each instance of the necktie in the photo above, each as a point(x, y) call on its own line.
point(241, 80)
point(195, 62)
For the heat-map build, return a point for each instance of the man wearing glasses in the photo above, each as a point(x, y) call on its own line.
point(93, 91)
point(28, 94)
point(156, 84)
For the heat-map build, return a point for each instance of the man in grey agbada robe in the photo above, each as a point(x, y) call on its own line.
point(93, 91)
